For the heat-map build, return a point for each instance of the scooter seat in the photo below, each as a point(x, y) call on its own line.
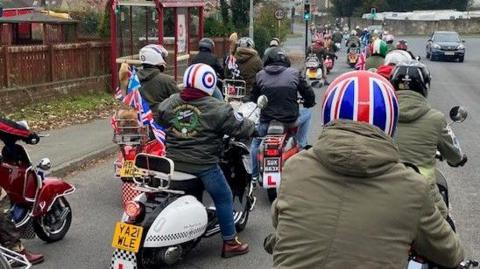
point(276, 128)
point(180, 176)
point(188, 183)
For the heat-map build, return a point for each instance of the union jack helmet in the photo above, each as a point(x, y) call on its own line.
point(201, 77)
point(364, 97)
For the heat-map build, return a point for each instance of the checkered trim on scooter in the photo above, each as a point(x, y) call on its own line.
point(119, 254)
point(176, 236)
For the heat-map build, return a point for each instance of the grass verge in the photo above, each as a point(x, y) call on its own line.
point(66, 111)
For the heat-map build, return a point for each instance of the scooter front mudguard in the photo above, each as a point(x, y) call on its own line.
point(52, 189)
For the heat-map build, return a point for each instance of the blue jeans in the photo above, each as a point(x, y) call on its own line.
point(216, 185)
point(262, 129)
point(303, 123)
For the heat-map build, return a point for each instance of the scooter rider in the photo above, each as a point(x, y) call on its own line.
point(195, 125)
point(206, 55)
point(9, 236)
point(403, 45)
point(318, 48)
point(281, 84)
point(274, 43)
point(422, 130)
point(156, 85)
point(378, 51)
point(349, 202)
point(393, 58)
point(248, 61)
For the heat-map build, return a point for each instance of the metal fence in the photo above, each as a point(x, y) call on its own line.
point(22, 66)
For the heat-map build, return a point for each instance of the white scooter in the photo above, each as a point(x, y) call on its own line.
point(314, 71)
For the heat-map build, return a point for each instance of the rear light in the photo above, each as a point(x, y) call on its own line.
point(272, 152)
point(133, 209)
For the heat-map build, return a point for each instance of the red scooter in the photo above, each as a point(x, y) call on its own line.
point(277, 147)
point(39, 206)
point(132, 139)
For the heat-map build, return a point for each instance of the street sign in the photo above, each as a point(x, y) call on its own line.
point(279, 14)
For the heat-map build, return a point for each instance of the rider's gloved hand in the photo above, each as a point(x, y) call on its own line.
point(461, 163)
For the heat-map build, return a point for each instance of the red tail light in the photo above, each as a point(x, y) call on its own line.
point(272, 152)
point(133, 209)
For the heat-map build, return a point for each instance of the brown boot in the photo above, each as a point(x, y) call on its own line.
point(33, 258)
point(233, 248)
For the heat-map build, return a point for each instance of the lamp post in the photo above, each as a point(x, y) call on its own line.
point(250, 28)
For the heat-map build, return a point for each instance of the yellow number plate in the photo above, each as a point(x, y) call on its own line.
point(127, 237)
point(127, 169)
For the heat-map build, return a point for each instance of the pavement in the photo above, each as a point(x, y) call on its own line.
point(71, 148)
point(97, 207)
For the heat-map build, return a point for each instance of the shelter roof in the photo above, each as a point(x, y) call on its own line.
point(37, 17)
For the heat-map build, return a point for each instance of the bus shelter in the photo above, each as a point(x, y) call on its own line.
point(175, 24)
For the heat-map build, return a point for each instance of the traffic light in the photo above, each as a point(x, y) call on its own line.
point(306, 13)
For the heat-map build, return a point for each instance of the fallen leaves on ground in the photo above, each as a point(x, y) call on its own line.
point(67, 111)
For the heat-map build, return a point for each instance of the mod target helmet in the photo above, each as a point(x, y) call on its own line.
point(362, 96)
point(153, 55)
point(201, 77)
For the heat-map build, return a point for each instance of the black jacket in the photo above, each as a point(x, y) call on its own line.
point(206, 57)
point(282, 85)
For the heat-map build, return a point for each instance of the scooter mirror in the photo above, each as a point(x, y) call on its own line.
point(458, 114)
point(45, 164)
point(262, 101)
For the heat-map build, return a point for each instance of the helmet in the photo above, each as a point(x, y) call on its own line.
point(362, 96)
point(328, 36)
point(396, 57)
point(276, 56)
point(201, 77)
point(206, 44)
point(353, 32)
point(275, 42)
point(246, 42)
point(389, 39)
point(412, 76)
point(153, 55)
point(379, 47)
point(357, 27)
point(402, 45)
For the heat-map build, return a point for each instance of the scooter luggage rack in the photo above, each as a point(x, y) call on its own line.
point(234, 89)
point(14, 257)
point(130, 133)
point(151, 180)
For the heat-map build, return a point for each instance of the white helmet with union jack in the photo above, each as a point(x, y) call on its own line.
point(364, 97)
point(201, 77)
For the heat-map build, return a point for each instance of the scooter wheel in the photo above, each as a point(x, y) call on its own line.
point(48, 227)
point(272, 194)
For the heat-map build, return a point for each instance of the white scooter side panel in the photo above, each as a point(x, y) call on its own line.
point(183, 220)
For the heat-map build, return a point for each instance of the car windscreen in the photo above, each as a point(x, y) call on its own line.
point(447, 37)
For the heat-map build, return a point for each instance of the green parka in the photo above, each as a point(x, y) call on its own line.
point(249, 64)
point(156, 86)
point(422, 131)
point(195, 130)
point(350, 203)
point(374, 61)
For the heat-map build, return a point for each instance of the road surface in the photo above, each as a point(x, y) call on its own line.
point(96, 204)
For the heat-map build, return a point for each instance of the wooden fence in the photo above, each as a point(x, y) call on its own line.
point(22, 66)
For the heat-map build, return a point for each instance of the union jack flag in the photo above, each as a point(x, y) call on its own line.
point(134, 99)
point(362, 96)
